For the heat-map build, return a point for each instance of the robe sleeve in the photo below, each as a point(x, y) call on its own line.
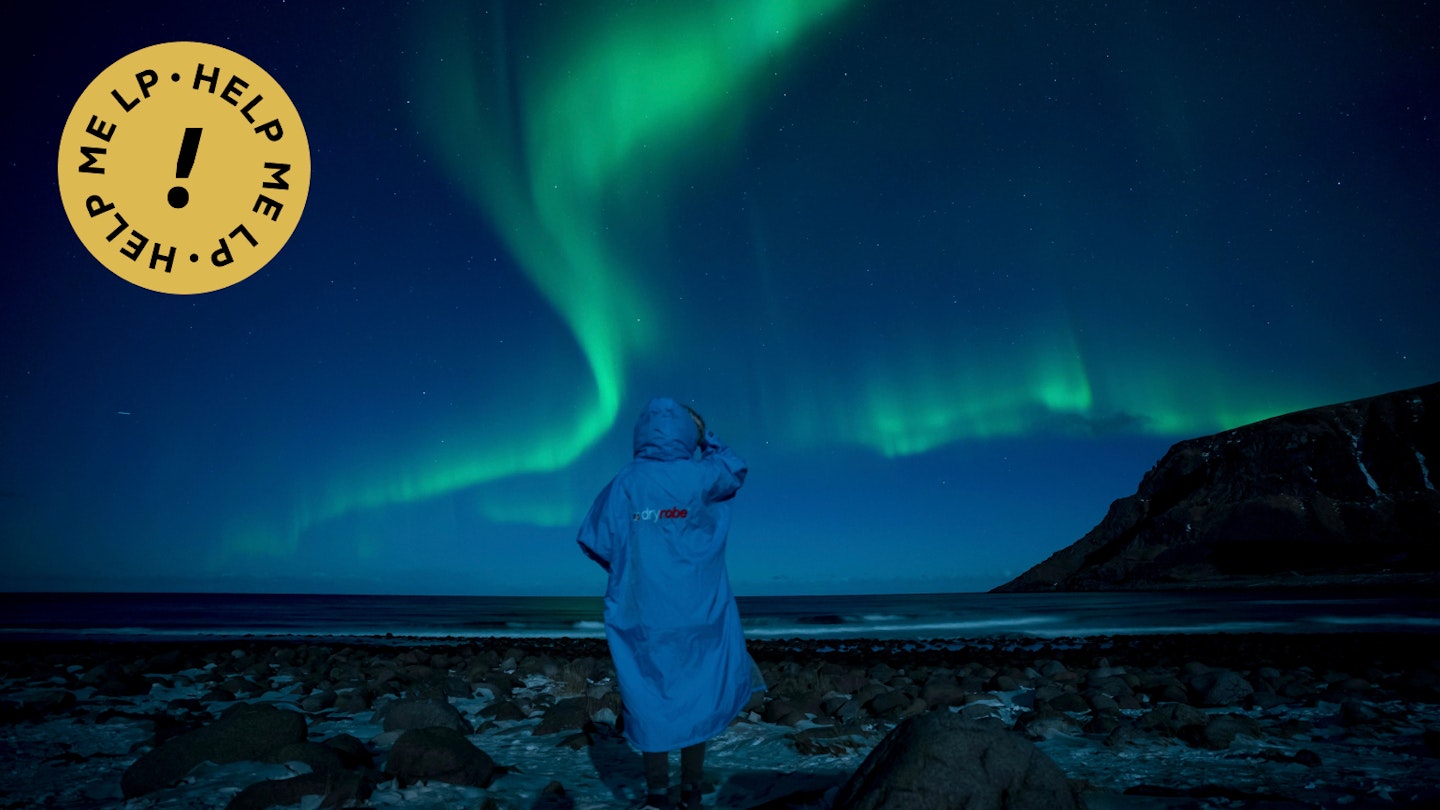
point(600, 532)
point(725, 471)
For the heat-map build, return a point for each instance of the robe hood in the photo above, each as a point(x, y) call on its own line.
point(665, 431)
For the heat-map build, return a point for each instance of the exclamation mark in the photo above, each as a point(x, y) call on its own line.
point(178, 196)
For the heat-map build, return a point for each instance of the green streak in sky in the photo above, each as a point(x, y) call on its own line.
point(568, 157)
point(1047, 389)
point(933, 395)
point(921, 392)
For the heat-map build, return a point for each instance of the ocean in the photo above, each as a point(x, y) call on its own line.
point(140, 616)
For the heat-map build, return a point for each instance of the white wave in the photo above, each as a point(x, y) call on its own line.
point(918, 629)
point(1412, 621)
point(1178, 629)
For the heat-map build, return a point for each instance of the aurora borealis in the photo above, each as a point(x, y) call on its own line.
point(950, 276)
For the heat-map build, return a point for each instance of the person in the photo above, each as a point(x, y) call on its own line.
point(659, 529)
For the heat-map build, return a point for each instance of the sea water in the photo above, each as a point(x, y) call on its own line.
point(879, 616)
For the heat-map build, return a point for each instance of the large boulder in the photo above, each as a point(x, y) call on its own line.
point(244, 732)
point(570, 714)
point(403, 715)
point(939, 761)
point(439, 754)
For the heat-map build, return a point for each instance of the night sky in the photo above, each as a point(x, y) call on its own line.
point(950, 276)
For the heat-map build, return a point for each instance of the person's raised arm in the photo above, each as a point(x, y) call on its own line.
point(727, 470)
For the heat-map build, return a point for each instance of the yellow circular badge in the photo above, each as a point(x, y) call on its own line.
point(184, 167)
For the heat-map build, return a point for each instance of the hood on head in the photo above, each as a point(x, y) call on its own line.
point(665, 431)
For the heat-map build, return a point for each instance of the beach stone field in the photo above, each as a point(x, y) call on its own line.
point(1175, 721)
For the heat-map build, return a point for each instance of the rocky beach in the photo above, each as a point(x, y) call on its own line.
point(1159, 721)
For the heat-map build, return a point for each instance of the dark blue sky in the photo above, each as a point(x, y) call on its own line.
point(950, 276)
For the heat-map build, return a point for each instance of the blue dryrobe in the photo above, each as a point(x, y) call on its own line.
point(659, 529)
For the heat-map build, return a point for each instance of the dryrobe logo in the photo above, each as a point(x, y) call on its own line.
point(184, 167)
point(656, 515)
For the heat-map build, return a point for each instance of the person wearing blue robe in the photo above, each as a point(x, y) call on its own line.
point(659, 529)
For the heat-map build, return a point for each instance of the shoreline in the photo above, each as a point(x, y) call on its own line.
point(190, 619)
point(1144, 721)
point(1398, 648)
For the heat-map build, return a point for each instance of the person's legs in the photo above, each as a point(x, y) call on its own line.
point(657, 778)
point(692, 774)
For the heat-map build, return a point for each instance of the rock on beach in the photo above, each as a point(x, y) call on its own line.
point(243, 732)
point(441, 754)
point(939, 761)
point(413, 713)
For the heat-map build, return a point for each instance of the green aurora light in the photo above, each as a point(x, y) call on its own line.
point(547, 155)
point(571, 154)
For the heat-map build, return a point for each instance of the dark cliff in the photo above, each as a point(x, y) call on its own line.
point(1342, 494)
